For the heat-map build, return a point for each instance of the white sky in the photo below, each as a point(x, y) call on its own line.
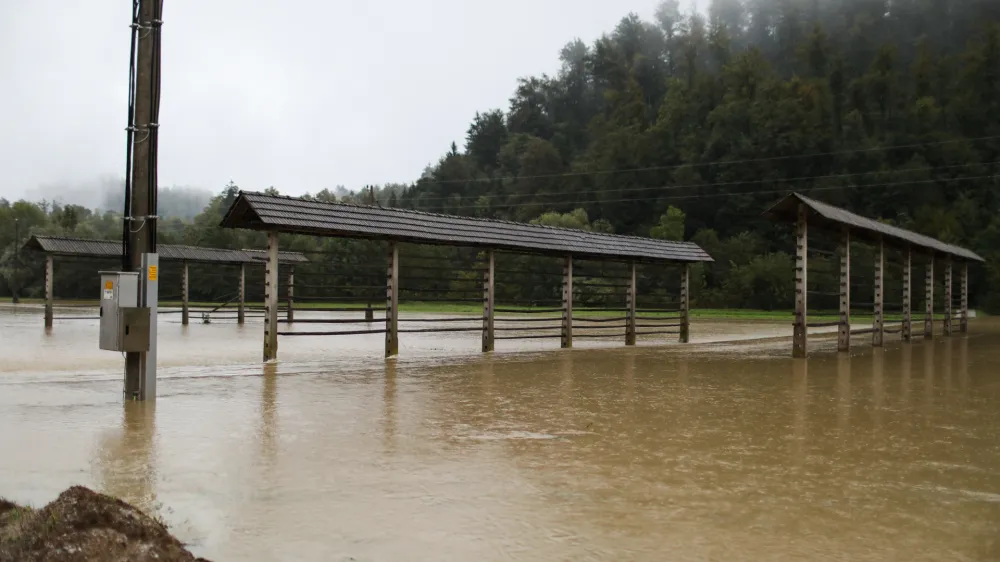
point(301, 95)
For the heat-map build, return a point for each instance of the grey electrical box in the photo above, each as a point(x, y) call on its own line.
point(124, 324)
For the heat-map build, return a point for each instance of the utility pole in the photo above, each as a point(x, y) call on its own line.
point(139, 235)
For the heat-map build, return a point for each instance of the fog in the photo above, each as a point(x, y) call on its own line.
point(302, 96)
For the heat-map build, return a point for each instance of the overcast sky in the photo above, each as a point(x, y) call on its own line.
point(301, 95)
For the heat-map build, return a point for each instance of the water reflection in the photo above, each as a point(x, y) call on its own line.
point(800, 391)
point(126, 457)
point(844, 398)
point(878, 386)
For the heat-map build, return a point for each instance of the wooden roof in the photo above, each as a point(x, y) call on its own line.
point(257, 211)
point(835, 218)
point(84, 247)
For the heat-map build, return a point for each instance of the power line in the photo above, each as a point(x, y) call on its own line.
point(720, 184)
point(755, 192)
point(705, 164)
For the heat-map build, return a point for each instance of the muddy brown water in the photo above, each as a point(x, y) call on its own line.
point(711, 451)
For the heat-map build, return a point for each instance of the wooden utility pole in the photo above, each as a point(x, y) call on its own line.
point(140, 217)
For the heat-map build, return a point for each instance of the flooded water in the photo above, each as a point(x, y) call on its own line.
point(710, 451)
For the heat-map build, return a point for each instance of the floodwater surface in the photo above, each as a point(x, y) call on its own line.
point(709, 451)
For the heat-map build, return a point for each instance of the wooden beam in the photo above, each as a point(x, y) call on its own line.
point(392, 302)
point(290, 313)
point(185, 284)
point(800, 335)
point(844, 330)
point(489, 297)
point(964, 319)
point(907, 333)
point(947, 297)
point(271, 298)
point(566, 341)
point(630, 295)
point(878, 322)
point(685, 304)
point(241, 307)
point(929, 298)
point(50, 270)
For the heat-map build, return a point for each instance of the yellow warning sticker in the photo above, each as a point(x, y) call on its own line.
point(109, 285)
point(152, 273)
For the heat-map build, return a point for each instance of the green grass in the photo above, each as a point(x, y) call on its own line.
point(476, 309)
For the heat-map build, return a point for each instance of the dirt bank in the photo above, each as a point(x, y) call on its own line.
point(82, 525)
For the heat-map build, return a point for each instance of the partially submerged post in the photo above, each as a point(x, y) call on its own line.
point(489, 300)
point(290, 312)
point(907, 331)
point(566, 341)
point(929, 297)
point(685, 305)
point(947, 297)
point(271, 298)
point(797, 209)
point(844, 328)
point(964, 321)
point(241, 307)
point(185, 284)
point(630, 295)
point(878, 322)
point(800, 332)
point(392, 302)
point(49, 292)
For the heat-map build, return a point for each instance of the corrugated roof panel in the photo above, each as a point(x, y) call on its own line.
point(258, 211)
point(785, 210)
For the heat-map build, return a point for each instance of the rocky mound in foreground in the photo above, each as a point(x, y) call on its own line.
point(82, 525)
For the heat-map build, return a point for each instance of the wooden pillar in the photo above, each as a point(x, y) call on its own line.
point(567, 304)
point(907, 332)
point(241, 307)
point(271, 298)
point(964, 319)
point(185, 283)
point(488, 302)
point(685, 304)
point(947, 297)
point(392, 302)
point(878, 322)
point(844, 331)
point(800, 333)
point(929, 298)
point(290, 313)
point(50, 270)
point(630, 296)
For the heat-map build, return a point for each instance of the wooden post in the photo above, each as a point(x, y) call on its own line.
point(907, 332)
point(290, 313)
point(947, 297)
point(50, 270)
point(488, 302)
point(964, 320)
point(271, 299)
point(929, 298)
point(878, 322)
point(800, 333)
point(844, 331)
point(185, 283)
point(685, 304)
point(392, 302)
point(567, 304)
point(630, 294)
point(241, 307)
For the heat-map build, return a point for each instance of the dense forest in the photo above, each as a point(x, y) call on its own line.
point(690, 125)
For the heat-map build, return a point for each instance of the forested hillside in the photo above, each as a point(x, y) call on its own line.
point(689, 126)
